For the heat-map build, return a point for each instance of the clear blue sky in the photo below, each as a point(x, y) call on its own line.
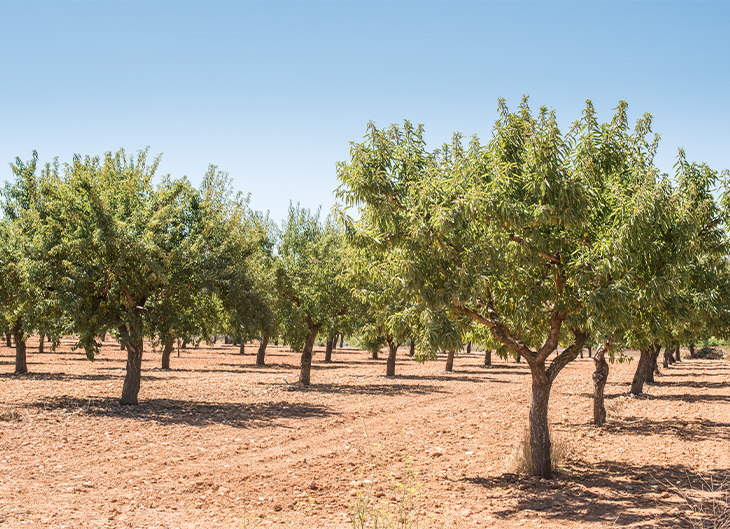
point(272, 92)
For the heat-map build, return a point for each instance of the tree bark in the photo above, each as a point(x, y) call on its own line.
point(590, 352)
point(342, 340)
point(20, 356)
point(166, 352)
point(655, 365)
point(121, 346)
point(668, 358)
point(600, 376)
point(468, 348)
point(390, 365)
point(412, 349)
point(450, 360)
point(331, 343)
point(184, 344)
point(276, 342)
point(8, 341)
point(374, 354)
point(487, 357)
point(644, 371)
point(242, 348)
point(305, 371)
point(132, 379)
point(518, 359)
point(261, 354)
point(227, 340)
point(692, 353)
point(41, 343)
point(540, 446)
point(677, 358)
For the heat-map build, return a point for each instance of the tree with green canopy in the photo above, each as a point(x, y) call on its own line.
point(309, 279)
point(508, 234)
point(26, 302)
point(386, 317)
point(120, 249)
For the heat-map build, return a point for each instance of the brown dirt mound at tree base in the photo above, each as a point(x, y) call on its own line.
point(217, 440)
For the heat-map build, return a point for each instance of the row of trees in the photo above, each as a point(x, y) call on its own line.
point(534, 244)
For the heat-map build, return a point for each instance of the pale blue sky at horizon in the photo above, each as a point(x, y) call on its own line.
point(273, 92)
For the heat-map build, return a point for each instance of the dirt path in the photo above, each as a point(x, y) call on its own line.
point(217, 441)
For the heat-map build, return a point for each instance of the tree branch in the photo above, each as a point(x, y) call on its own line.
point(499, 331)
point(567, 356)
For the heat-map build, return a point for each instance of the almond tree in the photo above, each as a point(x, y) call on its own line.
point(26, 302)
point(504, 233)
point(119, 246)
point(309, 280)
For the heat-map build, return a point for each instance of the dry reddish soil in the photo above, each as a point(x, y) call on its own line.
point(219, 442)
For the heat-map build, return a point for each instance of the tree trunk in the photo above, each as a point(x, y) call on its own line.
point(342, 340)
point(581, 353)
point(665, 360)
point(227, 340)
point(655, 365)
point(691, 350)
point(8, 341)
point(184, 344)
point(390, 365)
point(374, 354)
point(331, 343)
point(676, 354)
point(130, 390)
point(242, 348)
point(644, 367)
point(600, 376)
point(20, 361)
point(518, 359)
point(121, 347)
point(590, 352)
point(450, 360)
point(304, 373)
point(41, 344)
point(487, 357)
point(468, 348)
point(261, 354)
point(276, 342)
point(412, 349)
point(539, 429)
point(166, 352)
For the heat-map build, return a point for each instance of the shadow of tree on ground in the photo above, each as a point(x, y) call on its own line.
point(610, 492)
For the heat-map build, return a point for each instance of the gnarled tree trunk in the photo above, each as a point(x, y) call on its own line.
point(487, 357)
point(668, 357)
point(133, 377)
point(644, 369)
point(306, 367)
point(450, 360)
point(390, 365)
point(20, 357)
point(166, 352)
point(328, 348)
point(261, 354)
point(600, 376)
point(540, 445)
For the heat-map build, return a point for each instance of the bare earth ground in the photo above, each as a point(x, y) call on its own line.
point(217, 442)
